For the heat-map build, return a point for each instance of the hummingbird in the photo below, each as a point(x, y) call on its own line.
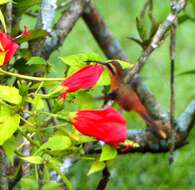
point(126, 96)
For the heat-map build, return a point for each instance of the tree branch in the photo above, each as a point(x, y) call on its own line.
point(150, 143)
point(103, 36)
point(186, 120)
point(47, 14)
point(64, 26)
point(69, 18)
point(157, 38)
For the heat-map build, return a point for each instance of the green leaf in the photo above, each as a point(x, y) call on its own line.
point(24, 53)
point(136, 40)
point(189, 72)
point(79, 60)
point(33, 159)
point(38, 33)
point(21, 66)
point(57, 143)
point(51, 186)
point(23, 5)
point(124, 64)
point(38, 103)
point(9, 147)
point(35, 33)
point(23, 87)
point(3, 20)
point(84, 100)
point(36, 61)
point(141, 29)
point(9, 123)
point(96, 167)
point(55, 163)
point(29, 183)
point(34, 64)
point(104, 79)
point(108, 153)
point(10, 94)
point(4, 1)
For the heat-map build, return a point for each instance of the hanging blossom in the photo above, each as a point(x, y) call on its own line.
point(8, 46)
point(26, 32)
point(106, 125)
point(84, 78)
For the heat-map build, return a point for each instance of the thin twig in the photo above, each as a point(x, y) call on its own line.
point(49, 105)
point(157, 38)
point(172, 84)
point(144, 9)
point(26, 77)
point(150, 10)
point(105, 179)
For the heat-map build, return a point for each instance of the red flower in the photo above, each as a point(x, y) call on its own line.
point(84, 78)
point(7, 48)
point(106, 125)
point(26, 32)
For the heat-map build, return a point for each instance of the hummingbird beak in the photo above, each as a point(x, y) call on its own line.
point(102, 63)
point(106, 64)
point(98, 62)
point(109, 66)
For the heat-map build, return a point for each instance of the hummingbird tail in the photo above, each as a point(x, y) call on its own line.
point(153, 126)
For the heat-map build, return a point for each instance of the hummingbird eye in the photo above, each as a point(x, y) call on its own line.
point(112, 67)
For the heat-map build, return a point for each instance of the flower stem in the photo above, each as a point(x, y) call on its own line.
point(64, 118)
point(29, 77)
point(28, 138)
point(58, 90)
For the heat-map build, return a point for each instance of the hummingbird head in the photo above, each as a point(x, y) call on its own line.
point(116, 73)
point(113, 67)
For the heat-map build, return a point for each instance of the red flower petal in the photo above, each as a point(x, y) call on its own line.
point(8, 45)
point(11, 51)
point(107, 125)
point(26, 32)
point(84, 78)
